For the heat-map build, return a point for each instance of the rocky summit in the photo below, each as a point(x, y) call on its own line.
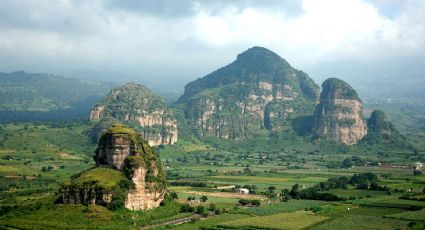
point(339, 116)
point(259, 90)
point(138, 107)
point(127, 173)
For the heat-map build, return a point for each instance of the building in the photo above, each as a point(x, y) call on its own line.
point(242, 190)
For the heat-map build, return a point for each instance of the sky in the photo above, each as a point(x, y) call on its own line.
point(176, 41)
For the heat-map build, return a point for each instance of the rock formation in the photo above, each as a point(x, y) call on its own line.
point(138, 107)
point(127, 171)
point(259, 90)
point(338, 116)
point(382, 131)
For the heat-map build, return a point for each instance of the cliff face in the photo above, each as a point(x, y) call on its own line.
point(125, 163)
point(259, 90)
point(136, 106)
point(339, 116)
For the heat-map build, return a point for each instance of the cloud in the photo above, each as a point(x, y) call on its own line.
point(188, 38)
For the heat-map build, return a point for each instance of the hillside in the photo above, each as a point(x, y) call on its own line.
point(38, 96)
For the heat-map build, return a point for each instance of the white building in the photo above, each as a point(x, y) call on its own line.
point(242, 190)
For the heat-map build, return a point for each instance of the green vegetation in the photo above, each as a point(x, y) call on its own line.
point(293, 183)
point(294, 220)
point(410, 215)
point(97, 177)
point(31, 96)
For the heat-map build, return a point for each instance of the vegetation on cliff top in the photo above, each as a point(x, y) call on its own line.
point(98, 177)
point(337, 88)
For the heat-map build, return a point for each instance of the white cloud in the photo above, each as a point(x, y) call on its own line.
point(87, 34)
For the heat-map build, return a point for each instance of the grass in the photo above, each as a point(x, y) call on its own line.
point(98, 177)
point(294, 220)
point(290, 206)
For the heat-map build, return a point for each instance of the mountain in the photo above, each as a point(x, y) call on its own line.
point(258, 91)
point(128, 173)
point(136, 106)
point(37, 96)
point(339, 116)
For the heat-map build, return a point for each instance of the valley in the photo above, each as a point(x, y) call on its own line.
point(256, 144)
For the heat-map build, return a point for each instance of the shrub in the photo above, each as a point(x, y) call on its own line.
point(200, 209)
point(186, 208)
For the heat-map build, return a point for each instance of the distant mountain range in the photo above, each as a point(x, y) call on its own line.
point(39, 96)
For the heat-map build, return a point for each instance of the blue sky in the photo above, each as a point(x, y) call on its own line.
point(183, 40)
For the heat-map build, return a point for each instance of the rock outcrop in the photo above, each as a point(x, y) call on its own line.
point(338, 116)
point(259, 90)
point(138, 107)
point(127, 171)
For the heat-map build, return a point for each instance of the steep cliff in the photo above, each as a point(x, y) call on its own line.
point(382, 131)
point(128, 173)
point(259, 90)
point(138, 107)
point(338, 116)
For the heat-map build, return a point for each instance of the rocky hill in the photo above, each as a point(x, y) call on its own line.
point(259, 90)
point(138, 107)
point(339, 116)
point(128, 173)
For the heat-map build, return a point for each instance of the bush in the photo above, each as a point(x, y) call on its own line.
point(200, 210)
point(243, 202)
point(255, 202)
point(186, 208)
point(203, 198)
point(174, 196)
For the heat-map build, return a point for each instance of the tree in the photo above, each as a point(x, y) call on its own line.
point(190, 198)
point(295, 193)
point(186, 208)
point(271, 189)
point(347, 163)
point(203, 198)
point(200, 209)
point(417, 172)
point(255, 202)
point(243, 202)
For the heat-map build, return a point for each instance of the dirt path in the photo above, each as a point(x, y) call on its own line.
point(174, 222)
